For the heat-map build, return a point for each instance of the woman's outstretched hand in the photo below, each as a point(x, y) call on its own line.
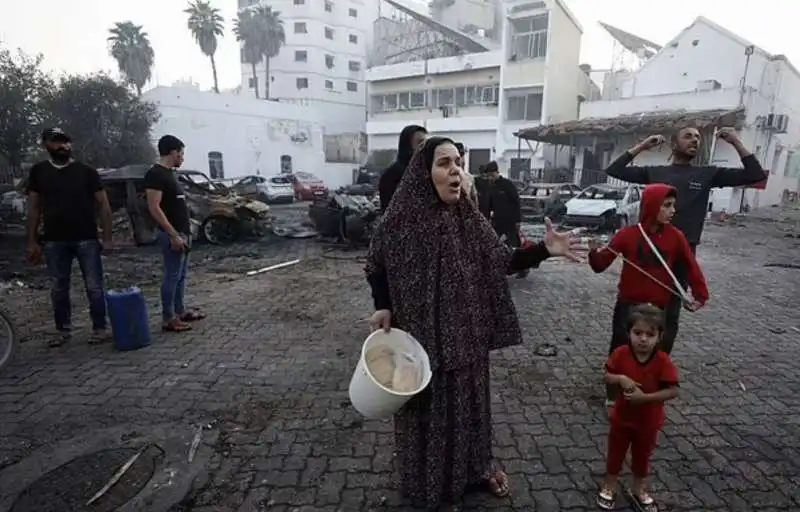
point(561, 244)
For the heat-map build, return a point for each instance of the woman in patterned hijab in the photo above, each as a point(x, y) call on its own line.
point(438, 271)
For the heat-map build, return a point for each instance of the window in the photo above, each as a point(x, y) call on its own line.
point(300, 28)
point(354, 65)
point(280, 180)
point(328, 6)
point(416, 100)
point(352, 86)
point(215, 167)
point(328, 33)
point(329, 61)
point(251, 82)
point(302, 83)
point(529, 37)
point(446, 98)
point(787, 168)
point(524, 107)
point(353, 13)
point(353, 38)
point(329, 84)
point(301, 56)
point(299, 2)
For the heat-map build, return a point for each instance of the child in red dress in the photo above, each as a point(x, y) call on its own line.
point(647, 378)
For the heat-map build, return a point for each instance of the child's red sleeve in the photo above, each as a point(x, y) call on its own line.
point(697, 281)
point(614, 365)
point(669, 373)
point(601, 259)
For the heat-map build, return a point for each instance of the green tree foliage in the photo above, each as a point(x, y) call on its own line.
point(207, 26)
point(109, 125)
point(130, 46)
point(23, 85)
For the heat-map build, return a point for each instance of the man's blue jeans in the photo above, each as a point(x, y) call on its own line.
point(59, 256)
point(173, 287)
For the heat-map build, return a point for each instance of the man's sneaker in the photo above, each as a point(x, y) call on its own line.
point(98, 336)
point(609, 402)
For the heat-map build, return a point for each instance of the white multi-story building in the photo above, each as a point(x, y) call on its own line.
point(706, 76)
point(323, 62)
point(511, 69)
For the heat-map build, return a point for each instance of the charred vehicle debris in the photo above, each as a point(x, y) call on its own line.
point(347, 216)
point(218, 216)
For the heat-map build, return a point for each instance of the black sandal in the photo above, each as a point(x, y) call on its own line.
point(192, 316)
point(606, 499)
point(645, 504)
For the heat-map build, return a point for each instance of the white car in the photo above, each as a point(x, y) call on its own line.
point(604, 207)
point(269, 189)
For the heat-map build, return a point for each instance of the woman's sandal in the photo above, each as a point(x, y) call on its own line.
point(192, 316)
point(497, 484)
point(606, 499)
point(176, 326)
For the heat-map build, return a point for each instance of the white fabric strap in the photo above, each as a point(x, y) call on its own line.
point(684, 294)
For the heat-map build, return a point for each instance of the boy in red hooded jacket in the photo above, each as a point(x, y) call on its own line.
point(635, 287)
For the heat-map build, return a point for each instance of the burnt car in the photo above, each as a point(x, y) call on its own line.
point(344, 217)
point(218, 216)
point(540, 200)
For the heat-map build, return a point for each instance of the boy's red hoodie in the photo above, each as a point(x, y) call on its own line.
point(635, 287)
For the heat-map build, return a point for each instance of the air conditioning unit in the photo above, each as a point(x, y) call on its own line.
point(777, 122)
point(782, 123)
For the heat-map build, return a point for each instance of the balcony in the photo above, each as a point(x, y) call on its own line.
point(719, 99)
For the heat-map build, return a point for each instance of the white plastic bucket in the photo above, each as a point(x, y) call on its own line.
point(371, 398)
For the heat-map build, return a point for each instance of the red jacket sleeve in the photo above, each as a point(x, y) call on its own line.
point(601, 259)
point(669, 373)
point(697, 281)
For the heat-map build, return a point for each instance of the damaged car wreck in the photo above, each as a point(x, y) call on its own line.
point(218, 215)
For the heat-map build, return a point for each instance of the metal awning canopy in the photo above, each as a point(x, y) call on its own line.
point(571, 133)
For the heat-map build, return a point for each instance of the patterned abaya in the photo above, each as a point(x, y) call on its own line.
point(441, 270)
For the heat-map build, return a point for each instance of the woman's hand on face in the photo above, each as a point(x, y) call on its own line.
point(381, 319)
point(561, 244)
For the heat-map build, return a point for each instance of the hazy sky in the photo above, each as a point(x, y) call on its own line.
point(72, 35)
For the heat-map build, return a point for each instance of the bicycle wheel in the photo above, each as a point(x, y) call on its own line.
point(9, 343)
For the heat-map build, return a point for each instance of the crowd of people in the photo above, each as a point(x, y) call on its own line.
point(437, 268)
point(64, 195)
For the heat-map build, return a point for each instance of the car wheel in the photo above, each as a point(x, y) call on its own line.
point(219, 230)
point(263, 197)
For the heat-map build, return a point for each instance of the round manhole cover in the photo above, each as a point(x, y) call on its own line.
point(72, 485)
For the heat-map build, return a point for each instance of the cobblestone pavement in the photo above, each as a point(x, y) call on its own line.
point(268, 372)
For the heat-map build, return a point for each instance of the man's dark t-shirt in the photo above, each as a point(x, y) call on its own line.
point(67, 199)
point(693, 183)
point(173, 200)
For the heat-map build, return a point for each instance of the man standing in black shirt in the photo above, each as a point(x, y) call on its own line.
point(693, 183)
point(498, 200)
point(63, 194)
point(166, 203)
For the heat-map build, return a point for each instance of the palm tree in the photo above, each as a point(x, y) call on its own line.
point(261, 30)
point(247, 30)
point(206, 24)
point(273, 37)
point(130, 47)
